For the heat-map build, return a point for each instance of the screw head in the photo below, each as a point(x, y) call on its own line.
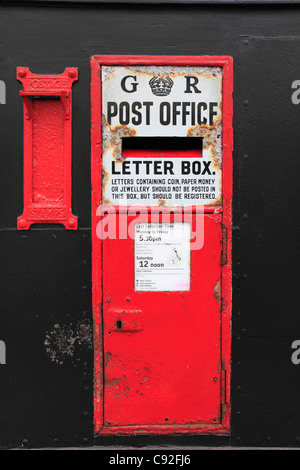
point(72, 73)
point(22, 72)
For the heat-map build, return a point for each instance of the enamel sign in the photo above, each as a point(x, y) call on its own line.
point(161, 102)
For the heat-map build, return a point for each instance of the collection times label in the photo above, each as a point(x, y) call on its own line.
point(162, 256)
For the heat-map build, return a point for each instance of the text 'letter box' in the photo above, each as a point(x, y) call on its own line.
point(161, 201)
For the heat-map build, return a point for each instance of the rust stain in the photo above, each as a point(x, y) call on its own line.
point(105, 177)
point(221, 106)
point(112, 382)
point(105, 180)
point(162, 202)
point(211, 72)
point(216, 202)
point(176, 71)
point(212, 143)
point(107, 72)
point(211, 139)
point(106, 202)
point(112, 137)
point(107, 358)
point(218, 291)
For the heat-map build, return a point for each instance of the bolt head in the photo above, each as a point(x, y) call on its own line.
point(72, 73)
point(22, 73)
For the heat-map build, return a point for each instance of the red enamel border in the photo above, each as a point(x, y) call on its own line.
point(226, 62)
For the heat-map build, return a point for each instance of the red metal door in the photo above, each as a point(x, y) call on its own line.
point(162, 349)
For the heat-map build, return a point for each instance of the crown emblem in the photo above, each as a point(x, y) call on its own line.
point(161, 86)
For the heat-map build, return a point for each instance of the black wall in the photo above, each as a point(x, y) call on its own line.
point(46, 395)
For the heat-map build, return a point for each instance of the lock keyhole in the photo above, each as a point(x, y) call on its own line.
point(119, 324)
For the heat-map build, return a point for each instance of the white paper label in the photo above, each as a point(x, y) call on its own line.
point(162, 256)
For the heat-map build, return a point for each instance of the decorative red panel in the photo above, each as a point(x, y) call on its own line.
point(47, 148)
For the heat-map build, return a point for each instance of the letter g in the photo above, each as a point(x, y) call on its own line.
point(133, 86)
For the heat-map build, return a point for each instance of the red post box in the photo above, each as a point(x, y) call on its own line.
point(161, 220)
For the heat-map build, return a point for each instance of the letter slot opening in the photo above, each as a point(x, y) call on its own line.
point(162, 147)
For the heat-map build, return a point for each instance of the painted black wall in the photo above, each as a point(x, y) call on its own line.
point(45, 394)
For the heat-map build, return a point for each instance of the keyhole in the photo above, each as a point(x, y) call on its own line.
point(119, 324)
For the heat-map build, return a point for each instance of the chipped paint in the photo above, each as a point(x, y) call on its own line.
point(212, 143)
point(63, 341)
point(207, 72)
point(218, 291)
point(162, 202)
point(112, 138)
point(107, 358)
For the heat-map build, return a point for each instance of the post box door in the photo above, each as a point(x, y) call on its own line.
point(162, 349)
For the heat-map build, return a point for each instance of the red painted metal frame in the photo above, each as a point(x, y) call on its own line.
point(47, 87)
point(226, 62)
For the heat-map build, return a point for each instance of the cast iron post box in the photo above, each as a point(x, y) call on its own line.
point(47, 148)
point(161, 207)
